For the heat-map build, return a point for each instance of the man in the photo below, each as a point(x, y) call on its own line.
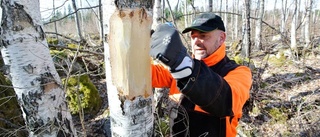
point(214, 88)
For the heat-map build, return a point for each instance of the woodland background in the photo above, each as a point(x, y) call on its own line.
point(283, 52)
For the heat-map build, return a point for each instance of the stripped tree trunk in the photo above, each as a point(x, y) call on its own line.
point(28, 62)
point(128, 70)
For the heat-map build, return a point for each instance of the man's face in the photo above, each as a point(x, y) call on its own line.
point(205, 43)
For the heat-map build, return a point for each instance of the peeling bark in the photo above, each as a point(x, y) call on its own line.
point(128, 71)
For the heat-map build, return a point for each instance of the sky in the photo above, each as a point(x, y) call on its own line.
point(46, 6)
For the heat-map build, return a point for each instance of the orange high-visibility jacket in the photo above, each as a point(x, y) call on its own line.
point(214, 93)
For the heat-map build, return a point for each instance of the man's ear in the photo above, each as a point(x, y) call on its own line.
point(223, 37)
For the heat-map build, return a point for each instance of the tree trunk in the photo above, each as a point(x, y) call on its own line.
point(128, 70)
point(186, 20)
point(246, 29)
point(307, 23)
point(293, 43)
point(35, 80)
point(225, 21)
point(210, 5)
point(156, 14)
point(77, 20)
point(284, 15)
point(259, 26)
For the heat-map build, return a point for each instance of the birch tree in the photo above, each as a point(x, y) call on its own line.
point(128, 70)
point(245, 52)
point(210, 5)
point(156, 14)
point(186, 17)
point(74, 5)
point(284, 17)
point(259, 25)
point(30, 67)
point(307, 23)
point(225, 21)
point(293, 43)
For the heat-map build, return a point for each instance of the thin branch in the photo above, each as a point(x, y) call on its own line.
point(66, 37)
point(73, 49)
point(70, 14)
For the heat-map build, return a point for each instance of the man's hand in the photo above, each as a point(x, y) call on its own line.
point(166, 46)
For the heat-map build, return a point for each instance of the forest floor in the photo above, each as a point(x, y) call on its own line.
point(285, 99)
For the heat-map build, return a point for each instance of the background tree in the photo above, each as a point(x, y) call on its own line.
point(259, 25)
point(246, 29)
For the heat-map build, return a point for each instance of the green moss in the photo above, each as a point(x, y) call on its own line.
point(244, 61)
point(263, 84)
point(162, 127)
point(278, 116)
point(74, 46)
point(60, 53)
point(52, 41)
point(255, 110)
point(277, 60)
point(84, 89)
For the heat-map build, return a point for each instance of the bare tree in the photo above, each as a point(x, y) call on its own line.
point(128, 71)
point(225, 21)
point(235, 25)
point(210, 5)
point(293, 43)
point(186, 17)
point(308, 4)
point(259, 25)
point(34, 78)
point(156, 14)
point(284, 17)
point(245, 52)
point(74, 5)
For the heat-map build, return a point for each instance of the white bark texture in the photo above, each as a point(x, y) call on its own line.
point(31, 69)
point(259, 26)
point(293, 40)
point(128, 71)
point(156, 14)
point(307, 23)
point(245, 51)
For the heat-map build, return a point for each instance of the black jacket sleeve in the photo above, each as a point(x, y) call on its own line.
point(208, 90)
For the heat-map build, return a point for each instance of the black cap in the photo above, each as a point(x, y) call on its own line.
point(206, 22)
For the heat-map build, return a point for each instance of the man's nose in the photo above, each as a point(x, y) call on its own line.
point(196, 41)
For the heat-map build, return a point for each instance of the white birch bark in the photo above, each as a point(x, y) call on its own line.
point(293, 41)
point(209, 5)
point(35, 80)
point(225, 21)
point(128, 71)
point(259, 26)
point(245, 51)
point(186, 17)
point(284, 15)
point(156, 14)
point(307, 23)
point(236, 20)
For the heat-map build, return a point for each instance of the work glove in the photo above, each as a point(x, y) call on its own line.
point(166, 46)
